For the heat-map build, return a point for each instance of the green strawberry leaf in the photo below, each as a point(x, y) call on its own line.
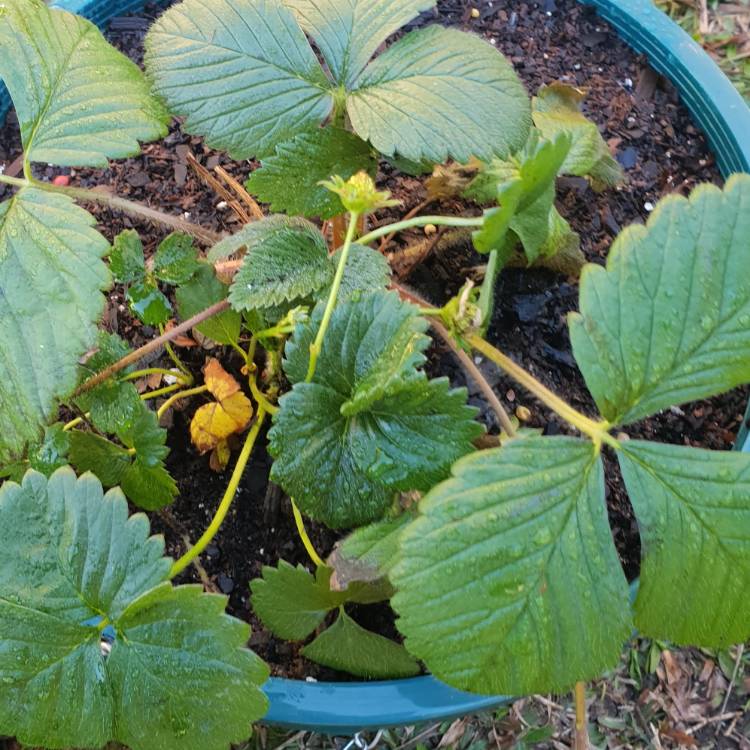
point(439, 93)
point(138, 468)
point(350, 648)
point(52, 454)
point(668, 320)
point(102, 457)
point(286, 260)
point(202, 291)
point(556, 109)
point(348, 34)
point(241, 72)
point(366, 270)
point(312, 156)
point(70, 558)
point(693, 511)
point(176, 259)
point(376, 545)
point(508, 581)
point(51, 276)
point(290, 601)
point(369, 424)
point(525, 190)
point(148, 303)
point(79, 101)
point(126, 261)
point(114, 403)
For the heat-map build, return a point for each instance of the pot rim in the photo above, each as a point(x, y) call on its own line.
point(719, 110)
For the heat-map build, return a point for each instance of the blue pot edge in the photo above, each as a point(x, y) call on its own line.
point(725, 119)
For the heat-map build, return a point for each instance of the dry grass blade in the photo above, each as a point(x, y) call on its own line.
point(240, 192)
point(218, 188)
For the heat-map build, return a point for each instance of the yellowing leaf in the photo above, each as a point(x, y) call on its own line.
point(218, 381)
point(213, 423)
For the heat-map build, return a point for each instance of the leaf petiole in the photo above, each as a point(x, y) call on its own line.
point(316, 346)
point(177, 396)
point(597, 431)
point(226, 501)
point(185, 378)
point(161, 391)
point(314, 556)
point(421, 221)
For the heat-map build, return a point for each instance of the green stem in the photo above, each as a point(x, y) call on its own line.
point(260, 397)
point(597, 431)
point(226, 501)
point(177, 396)
point(161, 391)
point(175, 358)
point(306, 541)
point(487, 291)
point(421, 221)
point(316, 346)
point(156, 371)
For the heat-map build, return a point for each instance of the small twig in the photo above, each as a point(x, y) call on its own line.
point(737, 661)
point(467, 363)
point(138, 354)
point(217, 187)
point(241, 193)
point(711, 720)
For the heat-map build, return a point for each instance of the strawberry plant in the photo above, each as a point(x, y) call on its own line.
point(499, 561)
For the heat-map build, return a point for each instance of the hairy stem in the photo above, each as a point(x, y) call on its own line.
point(421, 221)
point(316, 346)
point(151, 346)
point(161, 391)
point(597, 431)
point(226, 501)
point(206, 236)
point(314, 556)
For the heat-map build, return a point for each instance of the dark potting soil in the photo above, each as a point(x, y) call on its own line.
point(660, 149)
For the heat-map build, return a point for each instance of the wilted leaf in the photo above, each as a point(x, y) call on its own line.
point(213, 423)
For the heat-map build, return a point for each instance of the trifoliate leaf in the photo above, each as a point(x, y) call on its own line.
point(69, 558)
point(114, 403)
point(51, 276)
point(286, 259)
point(366, 270)
point(176, 259)
point(350, 648)
point(79, 101)
point(668, 320)
point(369, 423)
point(138, 468)
point(289, 180)
point(148, 303)
point(693, 511)
point(290, 601)
point(349, 34)
point(126, 260)
point(241, 72)
point(510, 568)
point(202, 291)
point(214, 422)
point(556, 109)
point(439, 93)
point(176, 644)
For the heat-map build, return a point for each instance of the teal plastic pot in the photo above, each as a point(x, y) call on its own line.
point(344, 708)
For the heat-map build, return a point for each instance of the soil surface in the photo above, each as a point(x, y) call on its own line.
point(652, 136)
